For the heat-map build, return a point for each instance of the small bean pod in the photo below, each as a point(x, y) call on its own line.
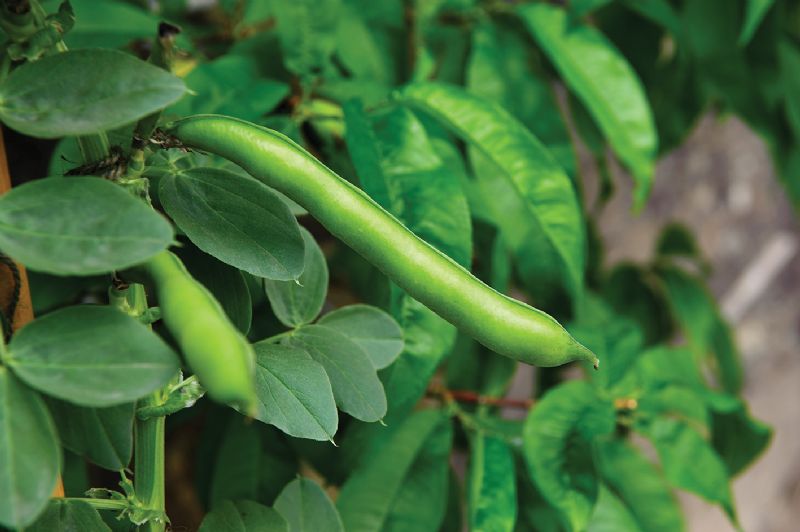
point(505, 325)
point(214, 349)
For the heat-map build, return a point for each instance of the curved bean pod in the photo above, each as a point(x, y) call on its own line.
point(505, 325)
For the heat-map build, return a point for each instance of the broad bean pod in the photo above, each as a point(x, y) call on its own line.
point(503, 324)
point(214, 349)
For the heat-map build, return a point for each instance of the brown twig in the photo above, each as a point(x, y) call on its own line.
point(23, 311)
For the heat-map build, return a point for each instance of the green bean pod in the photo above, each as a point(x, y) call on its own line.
point(505, 325)
point(214, 349)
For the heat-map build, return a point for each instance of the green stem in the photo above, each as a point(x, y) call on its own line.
point(94, 147)
point(149, 433)
point(101, 504)
point(278, 337)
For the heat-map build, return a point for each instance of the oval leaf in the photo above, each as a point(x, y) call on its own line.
point(492, 485)
point(369, 497)
point(298, 302)
point(606, 84)
point(39, 226)
point(372, 329)
point(521, 158)
point(356, 386)
point(91, 356)
point(307, 508)
point(243, 516)
point(236, 219)
point(101, 435)
point(640, 485)
point(69, 515)
point(294, 392)
point(29, 453)
point(557, 445)
point(84, 91)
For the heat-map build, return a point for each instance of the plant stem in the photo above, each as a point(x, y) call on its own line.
point(148, 447)
point(93, 147)
point(101, 504)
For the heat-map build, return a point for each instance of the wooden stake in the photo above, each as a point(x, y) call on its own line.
point(24, 309)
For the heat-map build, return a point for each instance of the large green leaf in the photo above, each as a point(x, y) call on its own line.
point(243, 516)
point(372, 329)
point(641, 486)
point(368, 498)
point(421, 502)
point(492, 485)
point(611, 515)
point(294, 392)
point(236, 219)
point(605, 82)
point(537, 177)
point(695, 310)
point(29, 454)
point(299, 302)
point(354, 380)
point(230, 86)
point(92, 356)
point(307, 31)
point(237, 467)
point(738, 438)
point(557, 446)
point(690, 462)
point(102, 435)
point(84, 91)
point(39, 227)
point(307, 508)
point(66, 515)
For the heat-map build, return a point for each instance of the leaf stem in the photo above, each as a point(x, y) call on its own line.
point(101, 504)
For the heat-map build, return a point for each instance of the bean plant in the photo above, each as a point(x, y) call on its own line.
point(285, 259)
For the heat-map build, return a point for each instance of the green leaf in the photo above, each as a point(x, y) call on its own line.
point(611, 515)
point(294, 392)
point(372, 329)
point(39, 228)
point(238, 463)
point(91, 356)
point(676, 239)
point(307, 508)
point(226, 284)
point(101, 435)
point(756, 10)
point(616, 340)
point(605, 82)
point(492, 485)
point(232, 86)
point(642, 487)
point(557, 445)
point(109, 24)
point(694, 308)
point(307, 32)
point(537, 177)
point(367, 499)
point(83, 92)
point(635, 293)
point(738, 438)
point(422, 500)
point(355, 383)
point(243, 516)
point(580, 8)
point(67, 516)
point(690, 463)
point(236, 219)
point(298, 302)
point(29, 454)
point(428, 339)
